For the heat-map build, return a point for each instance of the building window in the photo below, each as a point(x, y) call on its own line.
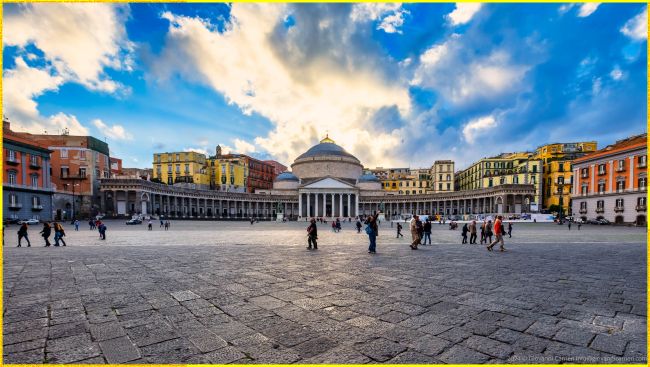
point(502, 180)
point(515, 179)
point(97, 172)
point(641, 201)
point(448, 187)
point(187, 169)
point(12, 155)
point(64, 153)
point(601, 186)
point(560, 167)
point(620, 165)
point(642, 161)
point(13, 199)
point(34, 180)
point(65, 171)
point(620, 185)
point(178, 168)
point(585, 172)
point(440, 186)
point(584, 189)
point(82, 154)
point(600, 204)
point(583, 205)
point(82, 171)
point(619, 203)
point(36, 201)
point(33, 159)
point(533, 180)
point(601, 169)
point(643, 181)
point(560, 180)
point(490, 183)
point(12, 177)
point(534, 168)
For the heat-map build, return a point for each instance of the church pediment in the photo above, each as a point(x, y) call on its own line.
point(328, 183)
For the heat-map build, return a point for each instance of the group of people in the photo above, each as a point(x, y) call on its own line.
point(419, 231)
point(46, 232)
point(336, 225)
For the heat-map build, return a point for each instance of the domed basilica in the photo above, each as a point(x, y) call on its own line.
point(328, 181)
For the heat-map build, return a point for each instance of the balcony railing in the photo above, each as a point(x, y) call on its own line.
point(603, 172)
point(600, 210)
point(640, 208)
point(620, 169)
point(583, 211)
point(641, 164)
point(585, 175)
point(34, 165)
point(619, 209)
point(12, 161)
point(15, 206)
point(29, 187)
point(37, 207)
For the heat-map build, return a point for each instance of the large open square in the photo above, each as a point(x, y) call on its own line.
point(231, 292)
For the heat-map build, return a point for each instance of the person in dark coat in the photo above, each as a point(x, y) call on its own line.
point(427, 231)
point(312, 235)
point(399, 230)
point(46, 232)
point(22, 233)
point(464, 233)
point(59, 233)
point(102, 231)
point(359, 225)
point(372, 230)
point(510, 229)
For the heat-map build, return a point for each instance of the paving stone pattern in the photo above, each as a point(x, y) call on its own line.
point(208, 292)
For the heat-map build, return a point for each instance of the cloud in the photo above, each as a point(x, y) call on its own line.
point(391, 16)
point(587, 9)
point(116, 132)
point(476, 127)
point(197, 150)
point(444, 68)
point(243, 147)
point(305, 79)
point(637, 27)
point(463, 13)
point(78, 42)
point(616, 73)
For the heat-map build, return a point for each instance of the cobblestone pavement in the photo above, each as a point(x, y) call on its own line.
point(208, 292)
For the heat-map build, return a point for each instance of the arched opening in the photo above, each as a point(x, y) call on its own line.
point(619, 219)
point(640, 220)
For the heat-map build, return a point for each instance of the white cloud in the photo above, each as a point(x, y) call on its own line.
point(478, 126)
point(116, 132)
point(391, 15)
point(243, 147)
point(565, 8)
point(463, 13)
point(616, 73)
point(442, 67)
point(587, 9)
point(637, 27)
point(79, 40)
point(303, 95)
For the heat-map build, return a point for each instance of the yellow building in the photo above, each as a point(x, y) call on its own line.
point(507, 168)
point(181, 167)
point(227, 174)
point(557, 171)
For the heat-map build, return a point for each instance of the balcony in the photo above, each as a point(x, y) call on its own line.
point(620, 169)
point(34, 165)
point(602, 172)
point(619, 209)
point(12, 161)
point(600, 210)
point(585, 175)
point(15, 206)
point(641, 165)
point(583, 211)
point(640, 208)
point(28, 187)
point(37, 208)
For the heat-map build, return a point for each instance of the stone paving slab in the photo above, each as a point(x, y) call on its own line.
point(209, 292)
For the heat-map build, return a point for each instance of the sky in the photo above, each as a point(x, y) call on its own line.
point(397, 85)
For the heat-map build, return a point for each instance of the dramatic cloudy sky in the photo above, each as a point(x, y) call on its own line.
point(397, 85)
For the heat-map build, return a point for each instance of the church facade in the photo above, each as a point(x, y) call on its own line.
point(325, 181)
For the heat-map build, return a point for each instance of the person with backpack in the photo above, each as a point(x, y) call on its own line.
point(59, 233)
point(312, 235)
point(22, 233)
point(46, 232)
point(372, 230)
point(427, 231)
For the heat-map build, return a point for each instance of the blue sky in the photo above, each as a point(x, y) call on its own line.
point(395, 84)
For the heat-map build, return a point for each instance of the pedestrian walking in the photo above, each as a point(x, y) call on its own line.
point(483, 231)
point(510, 229)
point(359, 225)
point(46, 232)
point(22, 233)
point(166, 225)
point(464, 233)
point(91, 224)
point(499, 232)
point(426, 230)
point(150, 225)
point(333, 226)
point(569, 225)
point(472, 233)
point(162, 223)
point(399, 230)
point(59, 233)
point(312, 235)
point(488, 232)
point(102, 231)
point(579, 225)
point(76, 224)
point(338, 225)
point(415, 238)
point(372, 230)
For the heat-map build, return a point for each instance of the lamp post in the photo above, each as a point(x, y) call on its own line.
point(560, 188)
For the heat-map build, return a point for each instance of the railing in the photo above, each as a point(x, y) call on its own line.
point(37, 207)
point(600, 210)
point(585, 175)
point(583, 211)
point(640, 208)
point(12, 160)
point(34, 165)
point(603, 172)
point(30, 187)
point(620, 169)
point(15, 205)
point(641, 165)
point(619, 209)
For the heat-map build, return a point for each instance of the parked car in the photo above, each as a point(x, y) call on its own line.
point(13, 221)
point(133, 221)
point(29, 221)
point(603, 221)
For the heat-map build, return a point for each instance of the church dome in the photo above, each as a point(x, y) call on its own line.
point(286, 176)
point(326, 147)
point(368, 178)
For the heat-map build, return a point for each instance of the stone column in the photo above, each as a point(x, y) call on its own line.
point(356, 205)
point(316, 205)
point(349, 208)
point(299, 205)
point(308, 204)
